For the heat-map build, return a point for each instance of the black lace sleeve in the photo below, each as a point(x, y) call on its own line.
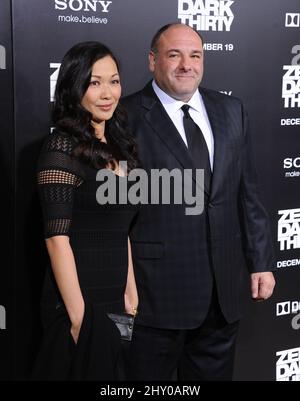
point(58, 176)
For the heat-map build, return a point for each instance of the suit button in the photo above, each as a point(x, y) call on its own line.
point(210, 204)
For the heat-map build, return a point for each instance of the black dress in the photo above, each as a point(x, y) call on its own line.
point(98, 237)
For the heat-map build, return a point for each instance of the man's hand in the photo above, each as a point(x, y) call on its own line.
point(262, 285)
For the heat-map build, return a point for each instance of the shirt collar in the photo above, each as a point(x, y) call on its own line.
point(173, 105)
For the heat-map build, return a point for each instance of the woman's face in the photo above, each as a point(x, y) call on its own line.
point(104, 91)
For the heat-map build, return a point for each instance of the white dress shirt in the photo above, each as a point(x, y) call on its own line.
point(198, 114)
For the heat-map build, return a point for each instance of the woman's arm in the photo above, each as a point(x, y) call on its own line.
point(65, 273)
point(131, 294)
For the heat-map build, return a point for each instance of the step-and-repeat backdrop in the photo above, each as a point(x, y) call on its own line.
point(252, 50)
point(6, 198)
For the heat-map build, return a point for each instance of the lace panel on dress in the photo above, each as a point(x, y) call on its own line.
point(58, 226)
point(58, 177)
point(59, 142)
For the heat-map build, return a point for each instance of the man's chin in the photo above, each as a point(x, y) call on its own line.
point(184, 94)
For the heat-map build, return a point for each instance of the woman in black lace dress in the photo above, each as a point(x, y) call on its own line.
point(91, 270)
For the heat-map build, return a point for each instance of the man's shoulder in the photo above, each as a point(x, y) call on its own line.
point(132, 99)
point(219, 96)
point(136, 97)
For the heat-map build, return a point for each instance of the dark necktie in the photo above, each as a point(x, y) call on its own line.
point(197, 145)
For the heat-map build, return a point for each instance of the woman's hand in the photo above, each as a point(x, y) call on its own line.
point(131, 295)
point(75, 330)
point(131, 304)
point(76, 326)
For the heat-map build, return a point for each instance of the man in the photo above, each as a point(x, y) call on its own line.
point(189, 268)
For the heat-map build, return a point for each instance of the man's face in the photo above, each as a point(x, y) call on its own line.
point(177, 65)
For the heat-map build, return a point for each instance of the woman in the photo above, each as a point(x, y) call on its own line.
point(91, 266)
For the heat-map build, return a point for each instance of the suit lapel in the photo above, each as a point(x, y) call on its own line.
point(163, 126)
point(217, 121)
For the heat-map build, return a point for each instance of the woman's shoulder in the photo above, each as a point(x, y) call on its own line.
point(57, 153)
point(59, 141)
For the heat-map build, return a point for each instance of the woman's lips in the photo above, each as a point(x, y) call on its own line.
point(105, 107)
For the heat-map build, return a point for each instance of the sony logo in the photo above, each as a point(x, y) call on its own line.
point(83, 5)
point(289, 162)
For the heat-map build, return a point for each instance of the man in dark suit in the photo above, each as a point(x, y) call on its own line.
point(190, 268)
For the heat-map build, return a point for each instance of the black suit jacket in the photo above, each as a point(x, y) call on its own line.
point(175, 255)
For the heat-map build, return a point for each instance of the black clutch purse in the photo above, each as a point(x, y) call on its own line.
point(124, 323)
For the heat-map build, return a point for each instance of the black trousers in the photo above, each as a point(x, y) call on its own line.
point(205, 353)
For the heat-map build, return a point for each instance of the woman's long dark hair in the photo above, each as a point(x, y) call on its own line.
point(71, 117)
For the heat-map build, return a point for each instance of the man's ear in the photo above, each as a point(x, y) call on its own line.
point(151, 58)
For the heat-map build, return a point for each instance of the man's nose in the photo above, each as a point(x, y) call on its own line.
point(185, 63)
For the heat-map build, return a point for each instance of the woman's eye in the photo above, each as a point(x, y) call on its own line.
point(115, 82)
point(94, 83)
